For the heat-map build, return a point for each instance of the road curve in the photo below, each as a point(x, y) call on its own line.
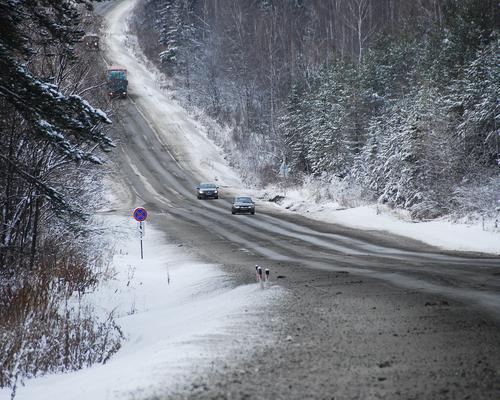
point(168, 191)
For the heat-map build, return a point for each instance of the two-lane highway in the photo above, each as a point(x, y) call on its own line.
point(163, 186)
point(369, 294)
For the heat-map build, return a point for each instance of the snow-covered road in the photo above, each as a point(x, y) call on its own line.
point(164, 157)
point(175, 329)
point(187, 142)
point(184, 138)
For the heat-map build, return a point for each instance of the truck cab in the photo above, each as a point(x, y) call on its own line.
point(117, 81)
point(91, 42)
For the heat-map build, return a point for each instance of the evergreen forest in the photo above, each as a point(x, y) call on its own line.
point(392, 101)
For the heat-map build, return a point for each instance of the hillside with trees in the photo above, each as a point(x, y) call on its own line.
point(394, 101)
point(52, 144)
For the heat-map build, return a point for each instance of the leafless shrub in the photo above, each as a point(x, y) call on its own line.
point(46, 327)
point(426, 210)
point(47, 261)
point(345, 192)
point(349, 193)
point(478, 200)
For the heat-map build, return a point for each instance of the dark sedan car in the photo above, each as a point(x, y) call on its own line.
point(243, 205)
point(207, 191)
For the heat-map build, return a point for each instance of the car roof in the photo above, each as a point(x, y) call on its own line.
point(241, 198)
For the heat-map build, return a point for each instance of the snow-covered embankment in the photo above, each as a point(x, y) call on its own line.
point(173, 311)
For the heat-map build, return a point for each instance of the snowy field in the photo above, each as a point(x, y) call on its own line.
point(171, 309)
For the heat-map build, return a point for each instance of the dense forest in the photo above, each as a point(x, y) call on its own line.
point(394, 101)
point(52, 144)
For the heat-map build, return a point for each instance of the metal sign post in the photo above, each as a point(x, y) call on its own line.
point(141, 235)
point(140, 215)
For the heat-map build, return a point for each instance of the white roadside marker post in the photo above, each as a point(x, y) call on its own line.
point(261, 280)
point(257, 273)
point(267, 277)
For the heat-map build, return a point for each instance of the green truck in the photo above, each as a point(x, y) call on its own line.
point(117, 82)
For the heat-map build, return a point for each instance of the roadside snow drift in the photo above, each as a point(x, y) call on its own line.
point(440, 233)
point(170, 309)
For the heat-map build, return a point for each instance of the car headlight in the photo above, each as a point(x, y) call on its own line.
point(200, 191)
point(215, 191)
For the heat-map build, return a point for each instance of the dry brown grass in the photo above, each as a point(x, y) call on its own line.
point(44, 324)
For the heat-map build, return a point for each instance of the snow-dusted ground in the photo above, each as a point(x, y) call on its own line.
point(169, 326)
point(441, 233)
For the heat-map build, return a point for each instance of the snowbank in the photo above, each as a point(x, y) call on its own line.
point(170, 308)
point(440, 233)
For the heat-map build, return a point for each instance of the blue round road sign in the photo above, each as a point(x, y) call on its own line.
point(140, 214)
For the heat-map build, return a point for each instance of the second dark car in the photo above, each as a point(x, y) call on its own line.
point(243, 205)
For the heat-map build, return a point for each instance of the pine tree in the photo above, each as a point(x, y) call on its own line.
point(176, 32)
point(477, 96)
point(45, 126)
point(66, 120)
point(292, 126)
